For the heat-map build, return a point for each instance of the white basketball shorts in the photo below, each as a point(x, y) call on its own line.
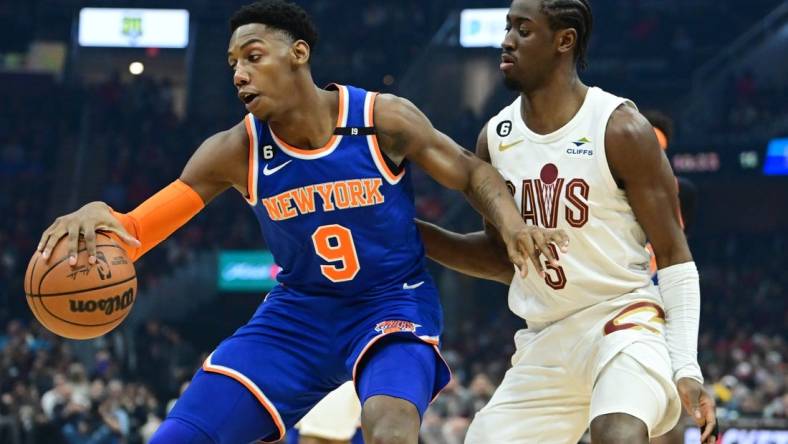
point(608, 358)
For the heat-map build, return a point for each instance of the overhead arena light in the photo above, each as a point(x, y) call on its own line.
point(134, 28)
point(482, 27)
point(136, 68)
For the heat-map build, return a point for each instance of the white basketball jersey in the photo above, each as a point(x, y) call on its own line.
point(562, 180)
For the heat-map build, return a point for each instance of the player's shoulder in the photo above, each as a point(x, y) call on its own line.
point(224, 150)
point(630, 142)
point(392, 110)
point(234, 138)
point(627, 127)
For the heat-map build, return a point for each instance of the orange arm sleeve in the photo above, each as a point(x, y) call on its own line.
point(159, 216)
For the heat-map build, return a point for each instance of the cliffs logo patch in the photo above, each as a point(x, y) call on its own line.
point(581, 142)
point(504, 128)
point(580, 148)
point(387, 327)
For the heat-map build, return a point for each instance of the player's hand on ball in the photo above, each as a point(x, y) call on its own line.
point(85, 221)
point(700, 406)
point(530, 242)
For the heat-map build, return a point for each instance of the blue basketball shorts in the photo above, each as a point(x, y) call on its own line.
point(298, 347)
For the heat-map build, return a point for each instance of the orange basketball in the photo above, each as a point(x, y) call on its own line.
point(85, 301)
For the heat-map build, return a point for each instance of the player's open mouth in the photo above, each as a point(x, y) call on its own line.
point(247, 97)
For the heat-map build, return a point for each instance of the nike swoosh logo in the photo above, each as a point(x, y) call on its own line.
point(506, 146)
point(268, 172)
point(405, 286)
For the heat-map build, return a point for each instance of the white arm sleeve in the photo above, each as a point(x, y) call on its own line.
point(680, 289)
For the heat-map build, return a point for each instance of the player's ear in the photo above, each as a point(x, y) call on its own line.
point(566, 39)
point(300, 52)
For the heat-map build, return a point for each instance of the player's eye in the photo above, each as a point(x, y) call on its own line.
point(523, 32)
point(255, 57)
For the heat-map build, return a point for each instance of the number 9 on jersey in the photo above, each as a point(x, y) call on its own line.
point(334, 243)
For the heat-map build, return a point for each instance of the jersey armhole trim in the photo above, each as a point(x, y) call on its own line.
point(604, 165)
point(251, 180)
point(372, 141)
point(490, 137)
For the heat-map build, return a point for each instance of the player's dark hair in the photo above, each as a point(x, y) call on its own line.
point(563, 14)
point(279, 14)
point(660, 121)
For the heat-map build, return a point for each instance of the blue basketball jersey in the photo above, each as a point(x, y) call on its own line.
point(338, 219)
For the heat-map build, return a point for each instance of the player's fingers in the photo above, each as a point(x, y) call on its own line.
point(561, 239)
point(51, 241)
point(46, 234)
point(708, 435)
point(43, 241)
point(715, 433)
point(711, 429)
point(527, 246)
point(541, 242)
point(122, 234)
point(73, 243)
point(520, 263)
point(90, 242)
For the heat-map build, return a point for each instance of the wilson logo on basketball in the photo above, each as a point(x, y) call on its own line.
point(386, 327)
point(108, 305)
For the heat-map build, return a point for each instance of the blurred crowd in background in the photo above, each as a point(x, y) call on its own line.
point(112, 392)
point(117, 389)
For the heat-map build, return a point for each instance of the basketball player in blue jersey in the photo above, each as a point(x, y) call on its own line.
point(326, 172)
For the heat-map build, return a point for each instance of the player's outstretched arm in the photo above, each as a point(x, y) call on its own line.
point(404, 131)
point(475, 254)
point(480, 254)
point(641, 168)
point(220, 162)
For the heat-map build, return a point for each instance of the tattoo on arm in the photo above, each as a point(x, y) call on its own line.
point(485, 194)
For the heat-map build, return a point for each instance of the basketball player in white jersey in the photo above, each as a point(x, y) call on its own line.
point(334, 420)
point(602, 346)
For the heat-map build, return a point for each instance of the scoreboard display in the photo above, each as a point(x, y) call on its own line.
point(134, 28)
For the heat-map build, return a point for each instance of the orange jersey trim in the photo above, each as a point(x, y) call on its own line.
point(332, 143)
point(251, 181)
point(374, 147)
point(253, 388)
